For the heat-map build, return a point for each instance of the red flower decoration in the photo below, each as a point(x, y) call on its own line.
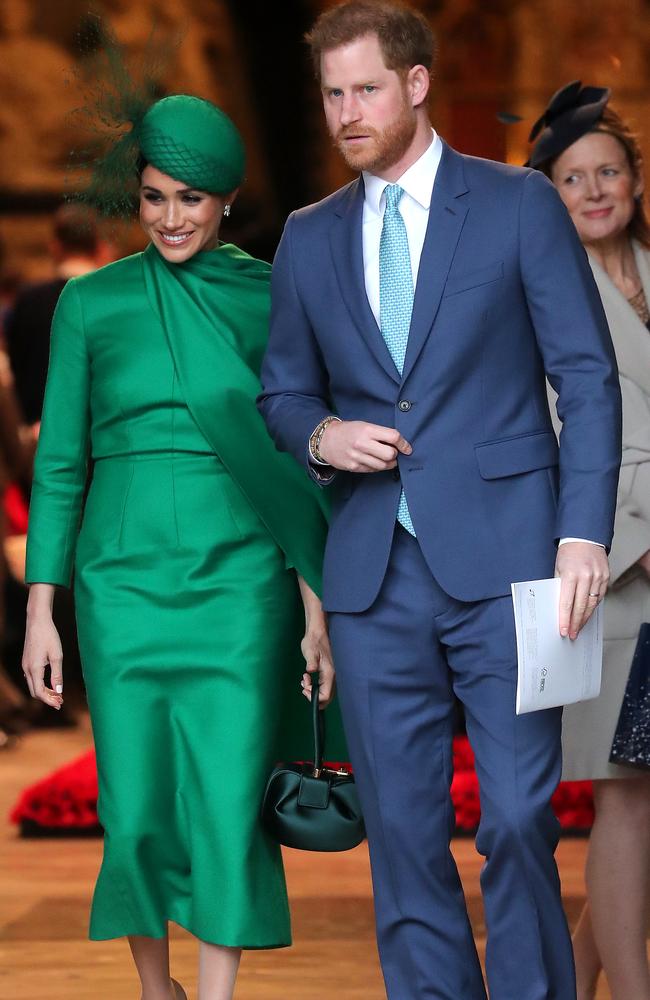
point(67, 798)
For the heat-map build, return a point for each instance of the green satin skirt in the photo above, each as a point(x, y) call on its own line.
point(188, 621)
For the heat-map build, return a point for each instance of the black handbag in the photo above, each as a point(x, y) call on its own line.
point(631, 744)
point(311, 807)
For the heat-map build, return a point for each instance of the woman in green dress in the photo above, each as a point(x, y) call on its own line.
point(188, 553)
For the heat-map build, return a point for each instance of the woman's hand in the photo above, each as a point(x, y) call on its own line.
point(318, 657)
point(42, 646)
point(315, 648)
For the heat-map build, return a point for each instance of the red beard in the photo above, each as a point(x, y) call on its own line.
point(382, 148)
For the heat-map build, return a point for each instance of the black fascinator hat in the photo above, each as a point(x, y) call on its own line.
point(571, 113)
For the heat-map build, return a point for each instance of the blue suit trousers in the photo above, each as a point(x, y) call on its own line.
point(398, 666)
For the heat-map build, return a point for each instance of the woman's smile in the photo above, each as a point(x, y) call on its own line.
point(175, 239)
point(598, 213)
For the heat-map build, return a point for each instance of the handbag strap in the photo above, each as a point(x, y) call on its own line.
point(317, 724)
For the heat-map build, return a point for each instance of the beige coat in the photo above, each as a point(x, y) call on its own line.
point(588, 728)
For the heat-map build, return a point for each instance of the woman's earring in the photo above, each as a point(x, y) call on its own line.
point(226, 210)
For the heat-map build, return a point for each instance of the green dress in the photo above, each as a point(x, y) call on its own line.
point(188, 609)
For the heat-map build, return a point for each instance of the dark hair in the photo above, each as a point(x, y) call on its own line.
point(612, 124)
point(75, 228)
point(404, 34)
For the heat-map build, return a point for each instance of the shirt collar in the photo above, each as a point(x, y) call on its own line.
point(417, 181)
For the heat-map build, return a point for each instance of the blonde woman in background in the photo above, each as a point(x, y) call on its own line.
point(595, 162)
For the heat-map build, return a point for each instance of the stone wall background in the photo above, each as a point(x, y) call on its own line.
point(495, 55)
point(39, 55)
point(512, 55)
point(598, 42)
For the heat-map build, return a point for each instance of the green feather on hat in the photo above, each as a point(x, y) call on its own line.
point(186, 137)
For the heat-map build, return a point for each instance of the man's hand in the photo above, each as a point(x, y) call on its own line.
point(355, 446)
point(584, 571)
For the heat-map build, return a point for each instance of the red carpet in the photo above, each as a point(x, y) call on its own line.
point(64, 803)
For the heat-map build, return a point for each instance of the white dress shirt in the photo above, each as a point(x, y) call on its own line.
point(417, 183)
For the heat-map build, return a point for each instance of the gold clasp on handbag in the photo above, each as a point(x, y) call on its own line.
point(318, 772)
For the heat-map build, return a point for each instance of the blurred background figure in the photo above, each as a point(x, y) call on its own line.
point(595, 162)
point(9, 287)
point(75, 250)
point(16, 455)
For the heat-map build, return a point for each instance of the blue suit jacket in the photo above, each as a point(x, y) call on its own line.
point(504, 296)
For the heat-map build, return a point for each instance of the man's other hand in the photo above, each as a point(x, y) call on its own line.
point(584, 571)
point(356, 446)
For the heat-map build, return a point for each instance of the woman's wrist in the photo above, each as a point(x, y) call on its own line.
point(40, 600)
point(315, 619)
point(316, 626)
point(314, 614)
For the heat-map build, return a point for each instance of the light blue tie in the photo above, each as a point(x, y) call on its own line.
point(395, 297)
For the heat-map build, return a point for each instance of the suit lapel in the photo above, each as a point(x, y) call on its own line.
point(346, 243)
point(446, 218)
point(629, 335)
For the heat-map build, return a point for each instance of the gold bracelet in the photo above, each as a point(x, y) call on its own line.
point(317, 437)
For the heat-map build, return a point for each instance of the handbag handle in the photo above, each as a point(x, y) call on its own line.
point(318, 727)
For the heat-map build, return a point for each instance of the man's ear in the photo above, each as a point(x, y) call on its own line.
point(418, 82)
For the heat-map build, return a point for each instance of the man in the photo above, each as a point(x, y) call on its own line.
point(415, 314)
point(74, 249)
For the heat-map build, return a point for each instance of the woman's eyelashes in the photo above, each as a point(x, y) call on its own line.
point(186, 199)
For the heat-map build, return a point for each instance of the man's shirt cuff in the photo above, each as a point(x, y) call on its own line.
point(588, 540)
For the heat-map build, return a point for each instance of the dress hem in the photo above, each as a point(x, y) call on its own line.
point(221, 943)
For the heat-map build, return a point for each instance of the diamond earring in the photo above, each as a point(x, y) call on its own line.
point(226, 210)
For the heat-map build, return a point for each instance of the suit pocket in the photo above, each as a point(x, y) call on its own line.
point(472, 279)
point(513, 455)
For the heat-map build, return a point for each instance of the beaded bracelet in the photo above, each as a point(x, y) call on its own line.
point(317, 437)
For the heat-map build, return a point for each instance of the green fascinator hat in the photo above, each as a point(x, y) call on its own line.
point(193, 141)
point(187, 137)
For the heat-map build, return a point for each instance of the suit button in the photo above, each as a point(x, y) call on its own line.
point(404, 405)
point(396, 475)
